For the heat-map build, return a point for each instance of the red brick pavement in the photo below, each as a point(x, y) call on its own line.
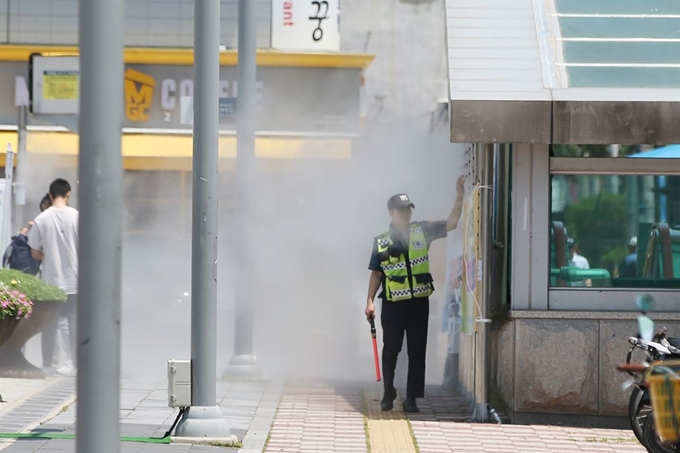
point(318, 417)
point(321, 417)
point(451, 437)
point(438, 429)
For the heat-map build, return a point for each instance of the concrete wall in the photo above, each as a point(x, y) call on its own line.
point(408, 38)
point(564, 363)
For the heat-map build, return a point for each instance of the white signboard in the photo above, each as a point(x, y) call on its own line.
point(186, 110)
point(4, 213)
point(21, 96)
point(306, 25)
point(55, 85)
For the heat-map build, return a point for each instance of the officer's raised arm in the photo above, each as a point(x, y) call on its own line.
point(454, 217)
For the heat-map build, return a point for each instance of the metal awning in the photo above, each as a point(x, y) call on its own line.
point(666, 152)
point(564, 71)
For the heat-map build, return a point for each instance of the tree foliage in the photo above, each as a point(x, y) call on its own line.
point(598, 226)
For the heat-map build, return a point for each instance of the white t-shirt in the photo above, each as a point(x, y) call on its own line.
point(582, 263)
point(55, 233)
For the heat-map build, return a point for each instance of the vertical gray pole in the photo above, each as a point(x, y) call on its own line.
point(7, 199)
point(204, 226)
point(20, 185)
point(100, 173)
point(204, 418)
point(244, 363)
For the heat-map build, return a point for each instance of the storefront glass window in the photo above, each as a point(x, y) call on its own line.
point(637, 151)
point(615, 231)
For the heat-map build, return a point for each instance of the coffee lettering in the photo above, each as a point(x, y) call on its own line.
point(186, 88)
point(172, 90)
point(168, 89)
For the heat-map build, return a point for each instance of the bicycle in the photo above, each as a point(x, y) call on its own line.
point(661, 430)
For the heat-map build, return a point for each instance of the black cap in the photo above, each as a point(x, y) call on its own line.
point(399, 201)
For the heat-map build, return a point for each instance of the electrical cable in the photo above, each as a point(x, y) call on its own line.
point(43, 435)
point(479, 318)
point(181, 412)
point(61, 435)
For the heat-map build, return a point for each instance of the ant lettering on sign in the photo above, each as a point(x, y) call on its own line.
point(317, 34)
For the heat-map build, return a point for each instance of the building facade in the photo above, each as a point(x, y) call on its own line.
point(331, 122)
point(573, 107)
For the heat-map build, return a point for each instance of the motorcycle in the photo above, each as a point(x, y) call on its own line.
point(657, 348)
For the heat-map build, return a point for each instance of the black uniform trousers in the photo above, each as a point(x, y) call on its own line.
point(409, 316)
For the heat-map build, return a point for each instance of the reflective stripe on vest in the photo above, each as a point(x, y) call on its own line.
point(397, 284)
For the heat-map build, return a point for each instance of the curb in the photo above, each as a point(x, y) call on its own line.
point(208, 441)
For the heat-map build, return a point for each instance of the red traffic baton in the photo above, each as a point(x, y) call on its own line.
point(375, 351)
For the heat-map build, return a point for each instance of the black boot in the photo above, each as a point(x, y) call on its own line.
point(387, 403)
point(410, 405)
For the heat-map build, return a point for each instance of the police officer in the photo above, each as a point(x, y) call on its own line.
point(400, 264)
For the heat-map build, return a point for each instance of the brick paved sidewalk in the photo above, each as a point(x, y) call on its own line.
point(321, 417)
point(438, 428)
point(451, 437)
point(305, 416)
point(387, 431)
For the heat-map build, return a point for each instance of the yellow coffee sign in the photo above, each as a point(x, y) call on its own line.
point(60, 85)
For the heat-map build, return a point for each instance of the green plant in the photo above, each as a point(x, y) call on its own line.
point(32, 287)
point(14, 304)
point(413, 436)
point(364, 411)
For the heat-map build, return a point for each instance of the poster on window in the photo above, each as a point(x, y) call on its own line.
point(461, 273)
point(470, 293)
point(454, 287)
point(306, 25)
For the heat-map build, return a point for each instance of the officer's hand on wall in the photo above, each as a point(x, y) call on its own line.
point(460, 186)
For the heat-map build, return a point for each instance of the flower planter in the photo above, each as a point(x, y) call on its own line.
point(13, 364)
point(7, 326)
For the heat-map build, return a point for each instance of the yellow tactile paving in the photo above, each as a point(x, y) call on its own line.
point(388, 431)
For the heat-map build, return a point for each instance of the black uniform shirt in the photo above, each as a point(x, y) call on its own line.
point(431, 230)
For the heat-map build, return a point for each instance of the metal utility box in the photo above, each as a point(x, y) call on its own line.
point(179, 383)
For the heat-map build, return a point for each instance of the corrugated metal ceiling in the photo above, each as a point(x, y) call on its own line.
point(535, 71)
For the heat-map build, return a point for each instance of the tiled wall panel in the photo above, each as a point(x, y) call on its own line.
point(148, 23)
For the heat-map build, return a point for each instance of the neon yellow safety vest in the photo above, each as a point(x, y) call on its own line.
point(406, 280)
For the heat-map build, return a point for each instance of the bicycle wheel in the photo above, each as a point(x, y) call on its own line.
point(651, 441)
